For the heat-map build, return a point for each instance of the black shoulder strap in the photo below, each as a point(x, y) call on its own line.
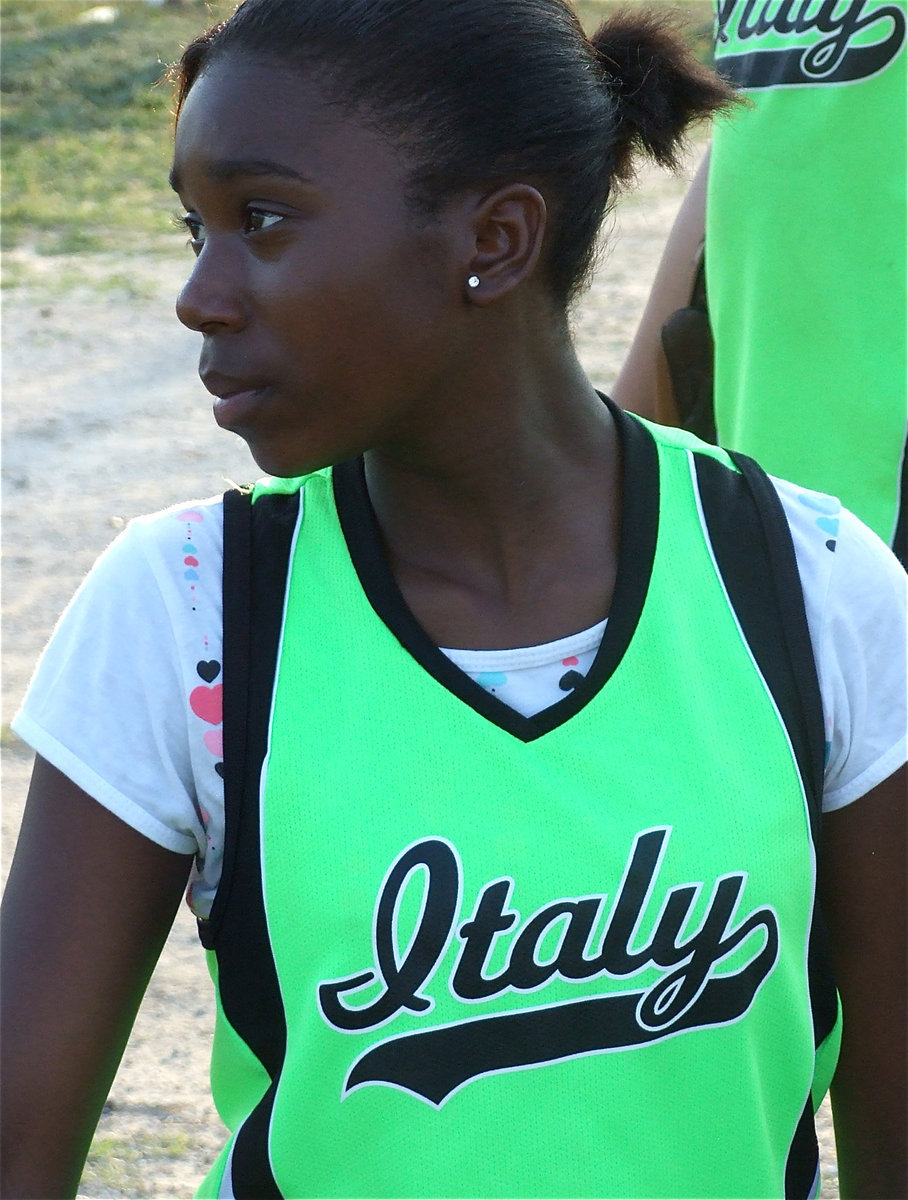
point(237, 596)
point(754, 551)
point(755, 554)
point(257, 543)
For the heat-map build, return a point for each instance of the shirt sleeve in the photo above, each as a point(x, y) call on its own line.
point(855, 595)
point(113, 701)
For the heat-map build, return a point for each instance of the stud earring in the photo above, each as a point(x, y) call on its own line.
point(473, 281)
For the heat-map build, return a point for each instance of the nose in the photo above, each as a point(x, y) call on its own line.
point(212, 298)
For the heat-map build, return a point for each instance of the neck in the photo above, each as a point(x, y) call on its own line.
point(502, 528)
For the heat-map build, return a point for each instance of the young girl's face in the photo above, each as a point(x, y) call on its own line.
point(328, 312)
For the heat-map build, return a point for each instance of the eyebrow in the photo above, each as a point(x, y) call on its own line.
point(224, 170)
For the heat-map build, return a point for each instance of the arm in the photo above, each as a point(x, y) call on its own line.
point(87, 909)
point(863, 857)
point(643, 384)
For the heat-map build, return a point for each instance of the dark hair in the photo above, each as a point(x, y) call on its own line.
point(486, 91)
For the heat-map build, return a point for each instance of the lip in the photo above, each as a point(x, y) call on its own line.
point(234, 398)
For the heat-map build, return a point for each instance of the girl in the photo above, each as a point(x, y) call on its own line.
point(508, 873)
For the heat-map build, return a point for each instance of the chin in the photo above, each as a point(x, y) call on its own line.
point(283, 462)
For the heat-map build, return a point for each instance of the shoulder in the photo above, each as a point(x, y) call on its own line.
point(841, 560)
point(855, 597)
point(854, 593)
point(149, 592)
point(168, 555)
point(182, 531)
point(115, 699)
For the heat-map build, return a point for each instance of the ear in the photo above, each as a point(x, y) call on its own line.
point(508, 228)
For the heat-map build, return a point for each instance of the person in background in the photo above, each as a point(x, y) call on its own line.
point(801, 203)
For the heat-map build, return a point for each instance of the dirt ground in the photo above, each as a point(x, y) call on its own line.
point(104, 418)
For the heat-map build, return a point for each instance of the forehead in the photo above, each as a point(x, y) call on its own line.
point(264, 116)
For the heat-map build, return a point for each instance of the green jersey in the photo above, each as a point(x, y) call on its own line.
point(806, 246)
point(464, 952)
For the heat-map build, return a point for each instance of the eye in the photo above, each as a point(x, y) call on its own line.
point(259, 219)
point(191, 223)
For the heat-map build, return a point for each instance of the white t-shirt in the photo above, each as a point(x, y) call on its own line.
point(126, 699)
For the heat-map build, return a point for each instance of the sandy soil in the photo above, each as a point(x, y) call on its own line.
point(104, 418)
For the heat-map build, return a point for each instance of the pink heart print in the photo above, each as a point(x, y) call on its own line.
point(214, 741)
point(208, 703)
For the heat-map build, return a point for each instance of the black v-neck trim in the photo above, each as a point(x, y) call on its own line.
point(636, 551)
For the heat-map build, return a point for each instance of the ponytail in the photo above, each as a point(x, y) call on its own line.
point(658, 85)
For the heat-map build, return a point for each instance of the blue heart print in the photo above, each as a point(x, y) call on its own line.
point(829, 506)
point(820, 503)
point(491, 680)
point(829, 525)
